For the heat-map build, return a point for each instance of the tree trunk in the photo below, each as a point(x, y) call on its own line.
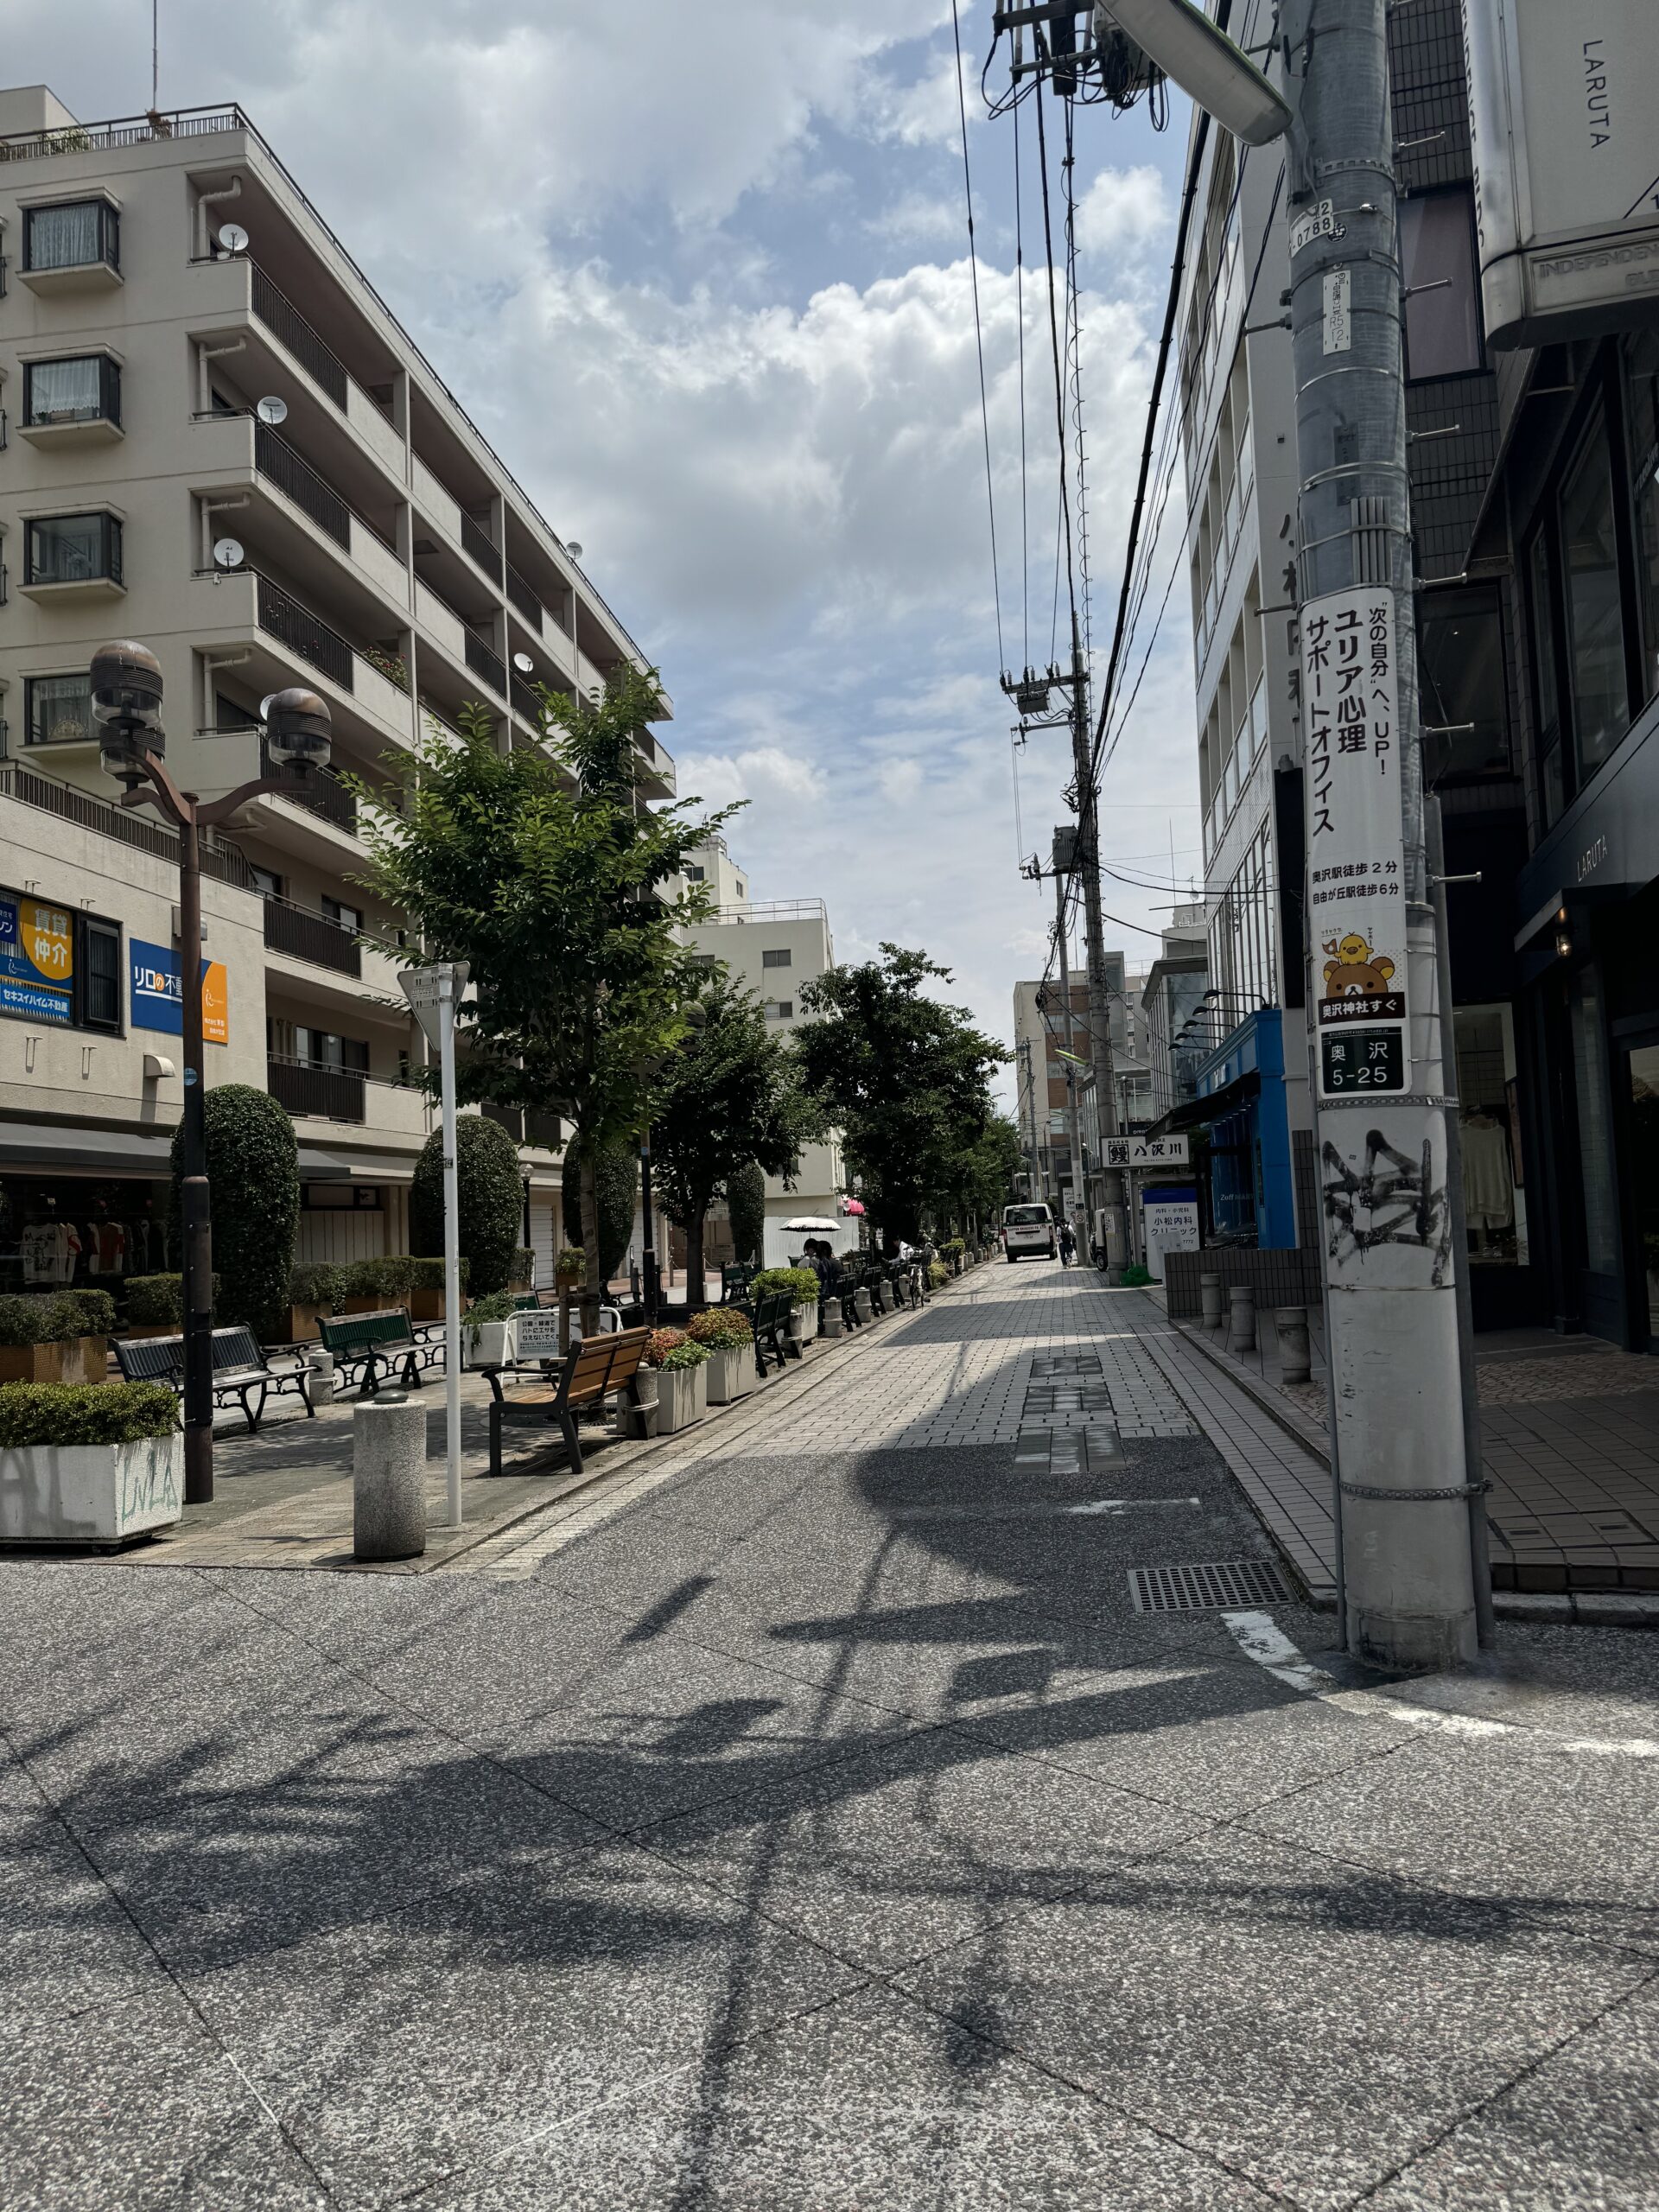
point(696, 1295)
point(594, 1290)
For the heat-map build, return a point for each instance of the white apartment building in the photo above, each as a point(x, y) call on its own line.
point(774, 949)
point(1238, 446)
point(188, 355)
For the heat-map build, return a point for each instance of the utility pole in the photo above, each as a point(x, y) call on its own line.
point(1392, 1253)
point(1100, 1002)
point(1064, 841)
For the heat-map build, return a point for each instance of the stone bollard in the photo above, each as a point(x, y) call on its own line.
point(830, 1321)
point(389, 1477)
point(1209, 1293)
point(861, 1305)
point(321, 1364)
point(1241, 1318)
point(1295, 1356)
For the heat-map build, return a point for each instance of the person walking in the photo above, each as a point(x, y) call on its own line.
point(1068, 1244)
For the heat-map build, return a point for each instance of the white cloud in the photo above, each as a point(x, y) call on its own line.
point(1123, 211)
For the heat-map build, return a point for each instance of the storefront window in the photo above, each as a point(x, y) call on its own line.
point(1595, 629)
point(1494, 1199)
point(1595, 1130)
point(75, 1231)
point(1642, 390)
point(1464, 687)
point(1546, 681)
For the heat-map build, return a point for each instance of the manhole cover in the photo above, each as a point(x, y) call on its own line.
point(1206, 1587)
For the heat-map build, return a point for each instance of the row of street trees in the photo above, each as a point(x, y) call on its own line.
point(567, 899)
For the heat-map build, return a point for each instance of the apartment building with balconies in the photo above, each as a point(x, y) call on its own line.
point(222, 443)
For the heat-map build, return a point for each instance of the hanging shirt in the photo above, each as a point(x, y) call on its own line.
point(1488, 1192)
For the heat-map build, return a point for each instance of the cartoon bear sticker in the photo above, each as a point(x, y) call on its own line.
point(1354, 971)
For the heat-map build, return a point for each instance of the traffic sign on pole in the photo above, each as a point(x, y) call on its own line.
point(434, 994)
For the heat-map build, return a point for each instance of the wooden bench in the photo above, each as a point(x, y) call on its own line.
point(597, 1368)
point(242, 1370)
point(360, 1341)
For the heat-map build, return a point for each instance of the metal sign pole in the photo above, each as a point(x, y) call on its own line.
point(447, 989)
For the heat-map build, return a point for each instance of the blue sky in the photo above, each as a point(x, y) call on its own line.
point(701, 275)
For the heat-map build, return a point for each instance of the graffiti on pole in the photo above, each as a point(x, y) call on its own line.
point(1387, 1211)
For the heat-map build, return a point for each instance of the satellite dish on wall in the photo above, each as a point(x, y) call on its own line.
point(232, 237)
point(272, 410)
point(523, 664)
point(573, 549)
point(228, 553)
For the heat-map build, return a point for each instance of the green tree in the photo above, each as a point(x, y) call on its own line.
point(489, 1200)
point(980, 1179)
point(905, 1077)
point(745, 1201)
point(617, 1178)
point(541, 869)
point(731, 1098)
point(253, 1175)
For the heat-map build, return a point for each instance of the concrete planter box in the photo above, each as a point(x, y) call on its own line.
point(682, 1397)
point(301, 1325)
point(489, 1345)
point(731, 1375)
point(78, 1359)
point(91, 1493)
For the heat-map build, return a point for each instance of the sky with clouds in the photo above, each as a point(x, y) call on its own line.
point(701, 275)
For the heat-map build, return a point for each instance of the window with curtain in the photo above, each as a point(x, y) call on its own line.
point(85, 390)
point(1595, 627)
point(61, 710)
point(1436, 265)
point(1641, 352)
point(70, 236)
point(72, 550)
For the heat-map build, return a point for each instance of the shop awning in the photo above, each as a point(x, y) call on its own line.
point(1199, 1113)
point(52, 1148)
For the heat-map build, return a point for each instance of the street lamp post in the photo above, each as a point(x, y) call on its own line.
point(127, 704)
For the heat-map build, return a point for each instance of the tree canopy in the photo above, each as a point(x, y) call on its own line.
point(905, 1077)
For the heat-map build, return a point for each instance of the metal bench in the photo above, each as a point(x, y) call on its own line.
point(597, 1368)
point(360, 1341)
point(242, 1370)
point(734, 1285)
point(769, 1318)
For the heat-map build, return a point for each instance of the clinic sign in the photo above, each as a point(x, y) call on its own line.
point(157, 993)
point(1563, 95)
point(1356, 838)
point(37, 959)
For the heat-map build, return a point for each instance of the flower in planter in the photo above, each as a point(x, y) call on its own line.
point(661, 1345)
point(722, 1328)
point(500, 1305)
point(571, 1266)
point(683, 1355)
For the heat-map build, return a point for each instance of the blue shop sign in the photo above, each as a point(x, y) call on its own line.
point(37, 960)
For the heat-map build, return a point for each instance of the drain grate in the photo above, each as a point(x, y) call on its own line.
point(1206, 1587)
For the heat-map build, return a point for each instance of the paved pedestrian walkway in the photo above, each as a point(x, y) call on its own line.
point(818, 1825)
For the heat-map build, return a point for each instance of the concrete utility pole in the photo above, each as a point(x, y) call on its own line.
point(1100, 1001)
point(1062, 840)
point(1409, 1537)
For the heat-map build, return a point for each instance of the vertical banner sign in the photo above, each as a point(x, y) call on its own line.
point(1356, 839)
point(37, 960)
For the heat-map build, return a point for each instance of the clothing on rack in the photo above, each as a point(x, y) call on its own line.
point(50, 1249)
point(1488, 1186)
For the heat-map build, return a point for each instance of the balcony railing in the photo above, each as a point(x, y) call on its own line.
point(531, 1125)
point(304, 633)
point(307, 935)
point(273, 457)
point(69, 804)
point(318, 790)
point(484, 662)
point(127, 130)
point(280, 316)
point(523, 599)
point(325, 1094)
point(480, 546)
point(527, 699)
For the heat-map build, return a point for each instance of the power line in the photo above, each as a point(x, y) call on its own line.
point(979, 337)
point(1019, 311)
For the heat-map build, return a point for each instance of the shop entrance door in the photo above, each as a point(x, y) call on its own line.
point(1639, 1083)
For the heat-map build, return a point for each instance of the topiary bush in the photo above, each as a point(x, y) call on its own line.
point(722, 1328)
point(521, 1276)
point(388, 1277)
point(619, 1190)
point(52, 1320)
point(155, 1301)
point(83, 1412)
point(253, 1175)
point(489, 1194)
point(428, 1274)
point(316, 1282)
point(745, 1203)
point(94, 1310)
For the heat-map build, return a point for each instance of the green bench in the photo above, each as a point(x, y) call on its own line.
point(359, 1342)
point(242, 1370)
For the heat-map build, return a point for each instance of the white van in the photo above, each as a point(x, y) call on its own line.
point(1028, 1230)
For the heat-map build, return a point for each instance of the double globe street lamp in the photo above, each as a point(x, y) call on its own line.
point(296, 735)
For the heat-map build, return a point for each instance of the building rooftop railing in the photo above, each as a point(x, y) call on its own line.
point(205, 122)
point(774, 910)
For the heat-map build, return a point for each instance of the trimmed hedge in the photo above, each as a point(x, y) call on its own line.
point(57, 1317)
point(390, 1276)
point(316, 1282)
point(83, 1412)
point(745, 1203)
point(801, 1283)
point(490, 1195)
point(155, 1301)
point(253, 1175)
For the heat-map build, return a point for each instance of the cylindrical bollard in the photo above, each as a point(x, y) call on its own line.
point(1295, 1357)
point(321, 1364)
point(830, 1318)
point(1209, 1293)
point(861, 1305)
point(389, 1477)
point(1241, 1318)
